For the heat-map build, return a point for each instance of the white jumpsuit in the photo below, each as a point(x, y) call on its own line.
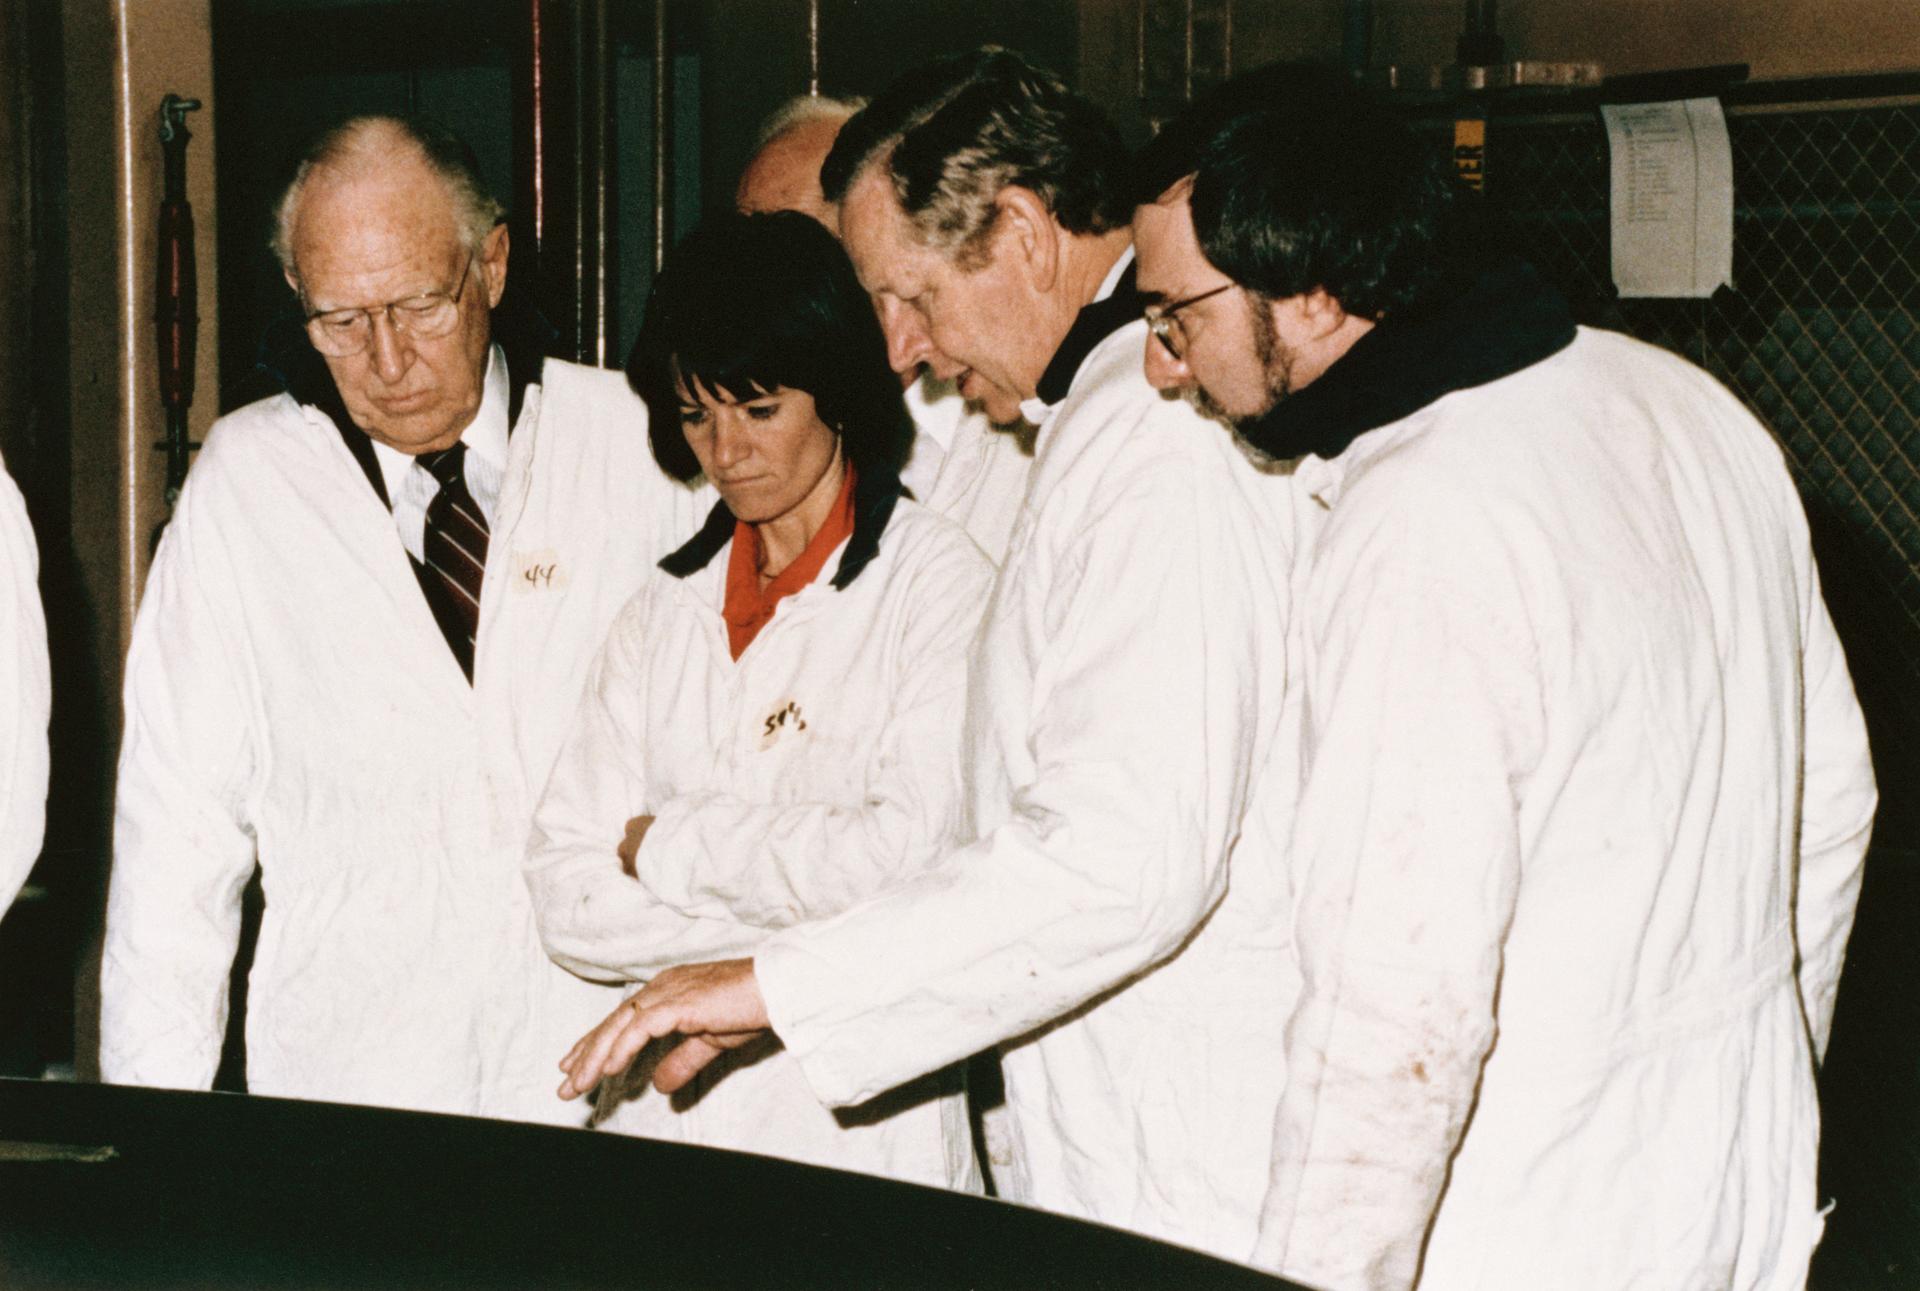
point(1586, 802)
point(289, 695)
point(24, 697)
point(1124, 693)
point(821, 767)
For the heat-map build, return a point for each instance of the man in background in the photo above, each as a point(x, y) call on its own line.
point(363, 633)
point(783, 174)
point(1586, 786)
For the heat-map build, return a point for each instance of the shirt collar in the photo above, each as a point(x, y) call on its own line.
point(1114, 306)
point(485, 436)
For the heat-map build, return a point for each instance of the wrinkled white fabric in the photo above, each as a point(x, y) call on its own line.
point(967, 471)
point(289, 695)
point(975, 476)
point(1578, 730)
point(24, 695)
point(819, 768)
point(1124, 691)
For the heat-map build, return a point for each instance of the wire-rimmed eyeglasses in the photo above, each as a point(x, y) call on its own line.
point(1162, 320)
point(428, 316)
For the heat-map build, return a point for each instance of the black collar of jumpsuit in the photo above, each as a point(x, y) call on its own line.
point(875, 492)
point(288, 362)
point(1092, 325)
point(1490, 325)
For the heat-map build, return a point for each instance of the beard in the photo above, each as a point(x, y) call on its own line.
point(1274, 356)
point(1204, 404)
point(1275, 360)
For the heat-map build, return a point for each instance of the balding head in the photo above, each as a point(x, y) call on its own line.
point(367, 148)
point(398, 258)
point(784, 173)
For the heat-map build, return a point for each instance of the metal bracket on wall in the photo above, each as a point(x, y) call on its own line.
point(176, 313)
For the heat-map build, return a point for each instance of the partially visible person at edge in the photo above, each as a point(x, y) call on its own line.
point(1125, 693)
point(1587, 790)
point(783, 699)
point(25, 696)
point(363, 633)
point(972, 450)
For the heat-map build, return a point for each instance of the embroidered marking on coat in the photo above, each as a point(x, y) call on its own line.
point(538, 571)
point(777, 723)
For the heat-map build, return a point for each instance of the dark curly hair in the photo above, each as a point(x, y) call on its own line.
point(954, 132)
point(1302, 179)
point(748, 303)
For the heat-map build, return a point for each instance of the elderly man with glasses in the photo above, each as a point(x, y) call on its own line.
point(369, 619)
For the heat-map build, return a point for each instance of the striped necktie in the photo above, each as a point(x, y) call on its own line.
point(455, 550)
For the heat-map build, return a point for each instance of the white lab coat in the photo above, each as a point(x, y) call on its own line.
point(819, 768)
point(1567, 665)
point(289, 695)
point(24, 694)
point(1124, 692)
point(963, 468)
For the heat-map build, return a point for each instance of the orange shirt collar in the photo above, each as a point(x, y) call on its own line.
point(748, 606)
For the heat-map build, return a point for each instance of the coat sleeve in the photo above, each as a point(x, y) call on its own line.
point(1836, 819)
point(25, 695)
point(1423, 718)
point(183, 846)
point(716, 855)
point(594, 920)
point(1139, 733)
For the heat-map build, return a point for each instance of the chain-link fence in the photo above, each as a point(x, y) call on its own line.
point(1820, 335)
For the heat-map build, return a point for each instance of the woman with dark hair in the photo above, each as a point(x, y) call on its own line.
point(781, 706)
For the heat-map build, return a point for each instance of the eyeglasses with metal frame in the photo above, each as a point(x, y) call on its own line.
point(1162, 320)
point(341, 333)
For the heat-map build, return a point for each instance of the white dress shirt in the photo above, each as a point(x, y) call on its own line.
point(411, 486)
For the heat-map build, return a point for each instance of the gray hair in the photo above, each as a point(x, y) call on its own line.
point(800, 110)
point(951, 134)
point(370, 141)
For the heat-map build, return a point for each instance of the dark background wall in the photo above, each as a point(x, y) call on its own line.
point(754, 56)
point(287, 68)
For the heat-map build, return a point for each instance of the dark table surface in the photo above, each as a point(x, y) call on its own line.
point(117, 1187)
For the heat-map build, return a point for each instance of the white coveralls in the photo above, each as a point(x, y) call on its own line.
point(1586, 784)
point(25, 694)
point(1124, 691)
point(963, 468)
point(821, 767)
point(289, 694)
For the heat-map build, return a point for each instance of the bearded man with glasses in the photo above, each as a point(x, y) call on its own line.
point(369, 619)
